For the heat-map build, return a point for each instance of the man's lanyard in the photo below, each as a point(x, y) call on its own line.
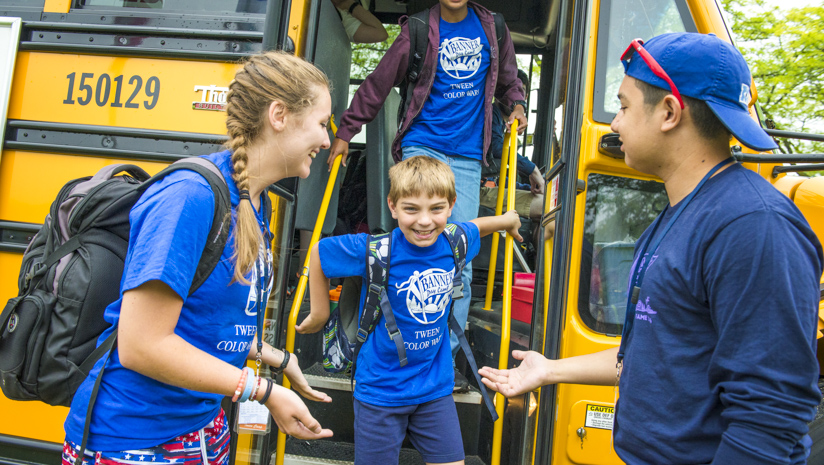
point(640, 270)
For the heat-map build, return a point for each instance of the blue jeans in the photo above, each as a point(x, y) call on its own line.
point(467, 187)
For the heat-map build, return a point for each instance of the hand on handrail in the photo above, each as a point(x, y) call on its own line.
point(339, 147)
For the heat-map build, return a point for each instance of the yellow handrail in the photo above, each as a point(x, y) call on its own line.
point(300, 291)
point(499, 205)
point(506, 310)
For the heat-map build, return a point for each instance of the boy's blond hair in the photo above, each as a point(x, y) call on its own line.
point(421, 175)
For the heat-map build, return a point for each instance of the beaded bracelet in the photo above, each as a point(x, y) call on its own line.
point(240, 385)
point(268, 392)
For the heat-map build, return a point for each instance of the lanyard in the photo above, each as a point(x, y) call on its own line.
point(640, 270)
point(263, 267)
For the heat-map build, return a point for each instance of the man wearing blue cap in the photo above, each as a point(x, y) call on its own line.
point(717, 362)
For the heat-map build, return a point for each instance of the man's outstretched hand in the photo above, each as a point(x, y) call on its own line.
point(528, 376)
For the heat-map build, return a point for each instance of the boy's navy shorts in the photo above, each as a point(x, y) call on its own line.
point(433, 429)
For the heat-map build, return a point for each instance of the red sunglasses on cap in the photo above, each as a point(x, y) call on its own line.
point(637, 45)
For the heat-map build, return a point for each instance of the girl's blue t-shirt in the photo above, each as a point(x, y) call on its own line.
point(452, 118)
point(169, 228)
point(419, 290)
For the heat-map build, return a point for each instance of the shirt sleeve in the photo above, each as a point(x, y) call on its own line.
point(342, 256)
point(473, 239)
point(350, 23)
point(761, 277)
point(169, 227)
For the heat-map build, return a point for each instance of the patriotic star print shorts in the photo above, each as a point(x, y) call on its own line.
point(208, 445)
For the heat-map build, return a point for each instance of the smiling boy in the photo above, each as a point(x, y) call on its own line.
point(391, 400)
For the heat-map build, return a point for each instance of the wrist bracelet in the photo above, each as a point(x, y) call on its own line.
point(240, 385)
point(283, 364)
point(268, 392)
point(352, 7)
point(250, 380)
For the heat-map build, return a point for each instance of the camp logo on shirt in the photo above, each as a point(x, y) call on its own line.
point(460, 57)
point(427, 294)
point(644, 311)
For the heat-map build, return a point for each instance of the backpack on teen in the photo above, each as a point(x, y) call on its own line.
point(418, 24)
point(71, 272)
point(346, 324)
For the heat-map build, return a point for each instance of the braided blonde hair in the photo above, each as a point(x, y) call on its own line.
point(264, 78)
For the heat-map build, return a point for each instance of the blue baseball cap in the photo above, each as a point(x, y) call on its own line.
point(704, 67)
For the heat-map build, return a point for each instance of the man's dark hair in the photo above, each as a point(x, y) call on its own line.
point(525, 80)
point(707, 124)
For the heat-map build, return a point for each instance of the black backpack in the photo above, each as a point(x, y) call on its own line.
point(418, 24)
point(71, 272)
point(340, 353)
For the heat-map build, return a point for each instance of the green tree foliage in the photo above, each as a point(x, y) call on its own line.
point(365, 57)
point(785, 51)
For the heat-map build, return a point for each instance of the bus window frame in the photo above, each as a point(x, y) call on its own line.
point(596, 180)
point(77, 5)
point(599, 88)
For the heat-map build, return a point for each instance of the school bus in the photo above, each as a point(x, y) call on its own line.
point(94, 82)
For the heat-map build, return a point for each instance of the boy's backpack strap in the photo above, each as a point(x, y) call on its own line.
point(457, 242)
point(457, 238)
point(456, 328)
point(392, 328)
point(219, 233)
point(378, 250)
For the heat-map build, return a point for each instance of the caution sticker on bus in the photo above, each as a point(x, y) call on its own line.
point(599, 416)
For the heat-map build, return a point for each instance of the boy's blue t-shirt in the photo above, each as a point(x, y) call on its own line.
point(721, 358)
point(452, 118)
point(169, 228)
point(419, 290)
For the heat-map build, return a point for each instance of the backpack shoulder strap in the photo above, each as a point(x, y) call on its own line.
point(458, 244)
point(418, 25)
point(218, 235)
point(378, 250)
point(500, 27)
point(456, 236)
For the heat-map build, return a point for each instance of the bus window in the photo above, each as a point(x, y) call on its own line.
point(189, 6)
point(620, 22)
point(617, 211)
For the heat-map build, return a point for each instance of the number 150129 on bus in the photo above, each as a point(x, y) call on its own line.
point(102, 90)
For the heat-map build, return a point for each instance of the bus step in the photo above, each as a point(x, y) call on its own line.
point(319, 378)
point(325, 452)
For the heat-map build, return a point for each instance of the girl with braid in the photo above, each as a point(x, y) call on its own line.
point(179, 355)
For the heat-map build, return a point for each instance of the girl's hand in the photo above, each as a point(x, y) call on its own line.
point(292, 416)
point(300, 384)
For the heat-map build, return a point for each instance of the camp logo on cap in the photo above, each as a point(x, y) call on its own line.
point(745, 96)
